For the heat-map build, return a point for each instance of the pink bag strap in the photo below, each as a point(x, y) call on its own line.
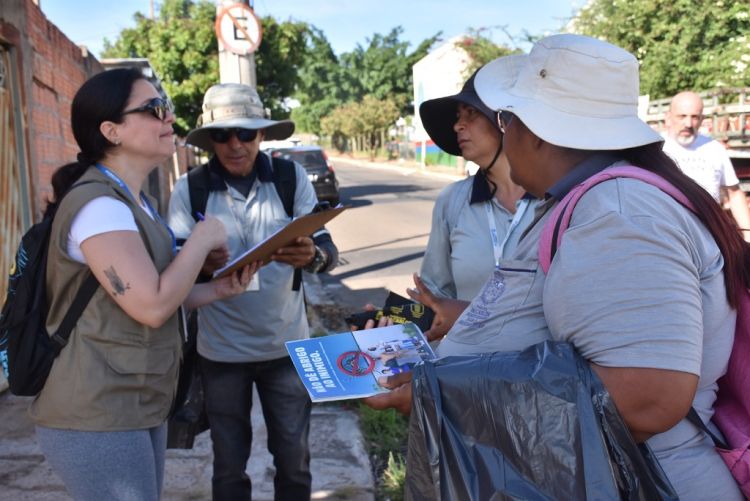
point(559, 220)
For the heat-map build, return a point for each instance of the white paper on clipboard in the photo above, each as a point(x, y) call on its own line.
point(300, 227)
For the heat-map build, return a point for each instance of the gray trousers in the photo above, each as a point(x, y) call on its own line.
point(111, 465)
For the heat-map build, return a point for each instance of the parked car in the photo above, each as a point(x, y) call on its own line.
point(319, 169)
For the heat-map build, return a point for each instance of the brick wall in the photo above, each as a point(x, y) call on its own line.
point(58, 68)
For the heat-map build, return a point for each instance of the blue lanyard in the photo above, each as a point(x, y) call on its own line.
point(114, 177)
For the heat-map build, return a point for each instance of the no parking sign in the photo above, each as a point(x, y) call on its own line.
point(238, 29)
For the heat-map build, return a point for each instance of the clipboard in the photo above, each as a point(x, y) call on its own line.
point(303, 226)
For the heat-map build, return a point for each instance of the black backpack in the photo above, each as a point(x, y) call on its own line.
point(26, 348)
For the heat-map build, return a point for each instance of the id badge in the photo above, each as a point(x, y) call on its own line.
point(254, 284)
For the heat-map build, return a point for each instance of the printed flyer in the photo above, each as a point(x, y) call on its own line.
point(348, 365)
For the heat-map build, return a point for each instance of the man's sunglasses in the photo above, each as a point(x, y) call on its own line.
point(157, 107)
point(224, 135)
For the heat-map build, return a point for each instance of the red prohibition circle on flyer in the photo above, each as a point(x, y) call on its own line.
point(355, 363)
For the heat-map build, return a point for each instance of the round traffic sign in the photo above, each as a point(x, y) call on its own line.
point(238, 29)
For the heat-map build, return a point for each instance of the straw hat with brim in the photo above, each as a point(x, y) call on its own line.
point(235, 105)
point(439, 115)
point(573, 91)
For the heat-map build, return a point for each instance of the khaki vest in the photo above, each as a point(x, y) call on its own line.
point(115, 373)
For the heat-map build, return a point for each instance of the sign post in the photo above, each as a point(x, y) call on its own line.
point(239, 33)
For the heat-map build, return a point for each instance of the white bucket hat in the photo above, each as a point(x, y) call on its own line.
point(574, 91)
point(235, 105)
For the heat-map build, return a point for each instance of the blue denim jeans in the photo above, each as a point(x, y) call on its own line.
point(286, 408)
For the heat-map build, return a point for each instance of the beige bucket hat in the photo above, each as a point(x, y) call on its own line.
point(573, 91)
point(231, 105)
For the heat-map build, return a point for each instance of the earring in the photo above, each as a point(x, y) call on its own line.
point(116, 142)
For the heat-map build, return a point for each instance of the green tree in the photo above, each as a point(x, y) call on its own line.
point(383, 69)
point(280, 54)
point(181, 46)
point(481, 49)
point(376, 115)
point(680, 44)
point(320, 87)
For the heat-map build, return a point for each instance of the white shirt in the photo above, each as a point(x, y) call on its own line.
point(100, 215)
point(706, 161)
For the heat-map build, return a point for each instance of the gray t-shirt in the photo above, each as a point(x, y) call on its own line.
point(636, 283)
point(459, 256)
point(252, 326)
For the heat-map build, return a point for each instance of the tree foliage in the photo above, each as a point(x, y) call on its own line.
point(323, 84)
point(681, 44)
point(365, 121)
point(278, 58)
point(384, 67)
point(481, 49)
point(336, 93)
point(182, 48)
point(363, 92)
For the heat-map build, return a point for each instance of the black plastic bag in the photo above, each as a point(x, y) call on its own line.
point(188, 417)
point(536, 424)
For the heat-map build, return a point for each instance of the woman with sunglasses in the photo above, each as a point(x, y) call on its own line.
point(101, 415)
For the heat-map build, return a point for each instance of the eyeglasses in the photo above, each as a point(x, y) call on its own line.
point(157, 107)
point(222, 136)
point(503, 119)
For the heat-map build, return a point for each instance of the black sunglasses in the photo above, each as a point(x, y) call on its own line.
point(157, 106)
point(224, 135)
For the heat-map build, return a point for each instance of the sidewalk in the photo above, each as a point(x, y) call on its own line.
point(339, 462)
point(406, 167)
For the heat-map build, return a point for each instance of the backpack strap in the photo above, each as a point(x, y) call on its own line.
point(285, 181)
point(198, 189)
point(696, 420)
point(81, 300)
point(559, 220)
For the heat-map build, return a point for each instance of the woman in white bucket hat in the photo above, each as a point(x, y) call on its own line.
point(638, 278)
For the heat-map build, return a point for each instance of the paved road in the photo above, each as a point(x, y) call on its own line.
point(382, 238)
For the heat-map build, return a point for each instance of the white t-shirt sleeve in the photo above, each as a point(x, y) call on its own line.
point(729, 177)
point(100, 215)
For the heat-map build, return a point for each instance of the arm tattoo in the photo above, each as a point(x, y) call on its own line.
point(116, 282)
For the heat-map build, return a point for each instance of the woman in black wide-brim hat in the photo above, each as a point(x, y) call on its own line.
point(461, 252)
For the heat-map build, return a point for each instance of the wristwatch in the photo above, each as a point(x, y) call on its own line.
point(318, 262)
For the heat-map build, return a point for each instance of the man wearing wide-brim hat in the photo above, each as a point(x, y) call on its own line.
point(241, 341)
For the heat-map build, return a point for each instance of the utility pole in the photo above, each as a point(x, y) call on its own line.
point(239, 32)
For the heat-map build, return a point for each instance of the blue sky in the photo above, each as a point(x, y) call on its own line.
point(344, 22)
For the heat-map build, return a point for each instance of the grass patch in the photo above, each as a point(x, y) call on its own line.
point(386, 434)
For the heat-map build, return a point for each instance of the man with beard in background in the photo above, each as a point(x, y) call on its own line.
point(702, 158)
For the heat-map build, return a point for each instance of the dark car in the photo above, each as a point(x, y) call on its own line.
point(319, 169)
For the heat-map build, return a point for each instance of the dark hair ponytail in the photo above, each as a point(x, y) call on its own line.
point(734, 249)
point(101, 98)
